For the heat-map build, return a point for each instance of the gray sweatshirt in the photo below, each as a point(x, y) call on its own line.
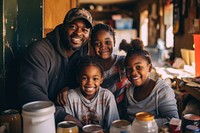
point(161, 102)
point(102, 109)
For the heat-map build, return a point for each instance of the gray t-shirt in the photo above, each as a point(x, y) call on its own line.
point(100, 110)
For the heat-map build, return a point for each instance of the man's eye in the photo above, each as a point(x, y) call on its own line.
point(72, 27)
point(85, 30)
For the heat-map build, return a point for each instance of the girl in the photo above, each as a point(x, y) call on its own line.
point(144, 93)
point(90, 103)
point(103, 41)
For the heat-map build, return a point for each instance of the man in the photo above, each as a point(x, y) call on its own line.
point(48, 66)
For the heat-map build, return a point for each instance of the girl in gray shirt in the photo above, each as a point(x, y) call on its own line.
point(90, 103)
point(145, 94)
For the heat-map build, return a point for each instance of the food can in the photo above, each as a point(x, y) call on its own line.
point(120, 126)
point(190, 119)
point(11, 119)
point(92, 128)
point(67, 127)
point(192, 129)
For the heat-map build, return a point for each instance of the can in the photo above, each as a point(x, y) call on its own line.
point(92, 128)
point(67, 127)
point(192, 129)
point(11, 119)
point(190, 119)
point(120, 126)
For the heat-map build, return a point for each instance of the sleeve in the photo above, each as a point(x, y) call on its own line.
point(111, 111)
point(33, 78)
point(167, 106)
point(68, 106)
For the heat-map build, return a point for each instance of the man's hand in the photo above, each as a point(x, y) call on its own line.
point(62, 96)
point(71, 118)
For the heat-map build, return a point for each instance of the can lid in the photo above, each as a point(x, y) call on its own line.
point(120, 123)
point(191, 117)
point(144, 116)
point(38, 108)
point(92, 128)
point(192, 128)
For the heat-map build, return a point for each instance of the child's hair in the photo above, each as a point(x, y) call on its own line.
point(138, 49)
point(87, 61)
point(99, 27)
point(135, 43)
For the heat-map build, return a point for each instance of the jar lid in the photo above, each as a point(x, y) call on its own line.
point(9, 112)
point(144, 116)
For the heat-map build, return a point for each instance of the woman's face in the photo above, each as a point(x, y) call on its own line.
point(90, 80)
point(77, 33)
point(103, 44)
point(137, 70)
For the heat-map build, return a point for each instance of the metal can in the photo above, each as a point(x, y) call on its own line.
point(192, 129)
point(12, 120)
point(120, 126)
point(92, 128)
point(190, 119)
point(67, 127)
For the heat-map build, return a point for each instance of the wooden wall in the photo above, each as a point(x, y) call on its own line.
point(54, 12)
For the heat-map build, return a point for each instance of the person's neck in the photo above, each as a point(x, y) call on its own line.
point(69, 52)
point(144, 86)
point(107, 63)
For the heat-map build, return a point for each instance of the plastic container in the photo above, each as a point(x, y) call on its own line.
point(124, 24)
point(38, 117)
point(144, 123)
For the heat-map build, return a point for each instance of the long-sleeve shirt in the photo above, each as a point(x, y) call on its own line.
point(100, 110)
point(161, 103)
point(45, 70)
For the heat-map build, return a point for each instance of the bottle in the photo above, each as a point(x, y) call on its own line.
point(144, 123)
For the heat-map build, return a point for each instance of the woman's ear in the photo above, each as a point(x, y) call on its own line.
point(150, 67)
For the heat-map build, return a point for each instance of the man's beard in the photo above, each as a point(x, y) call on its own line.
point(70, 47)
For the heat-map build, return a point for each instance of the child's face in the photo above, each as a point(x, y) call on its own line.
point(103, 44)
point(90, 81)
point(137, 70)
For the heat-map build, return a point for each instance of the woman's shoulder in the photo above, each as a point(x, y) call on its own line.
point(162, 86)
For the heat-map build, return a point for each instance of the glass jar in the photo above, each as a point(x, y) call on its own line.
point(12, 120)
point(144, 123)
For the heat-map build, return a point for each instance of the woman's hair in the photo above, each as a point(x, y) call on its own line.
point(87, 61)
point(99, 27)
point(137, 49)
